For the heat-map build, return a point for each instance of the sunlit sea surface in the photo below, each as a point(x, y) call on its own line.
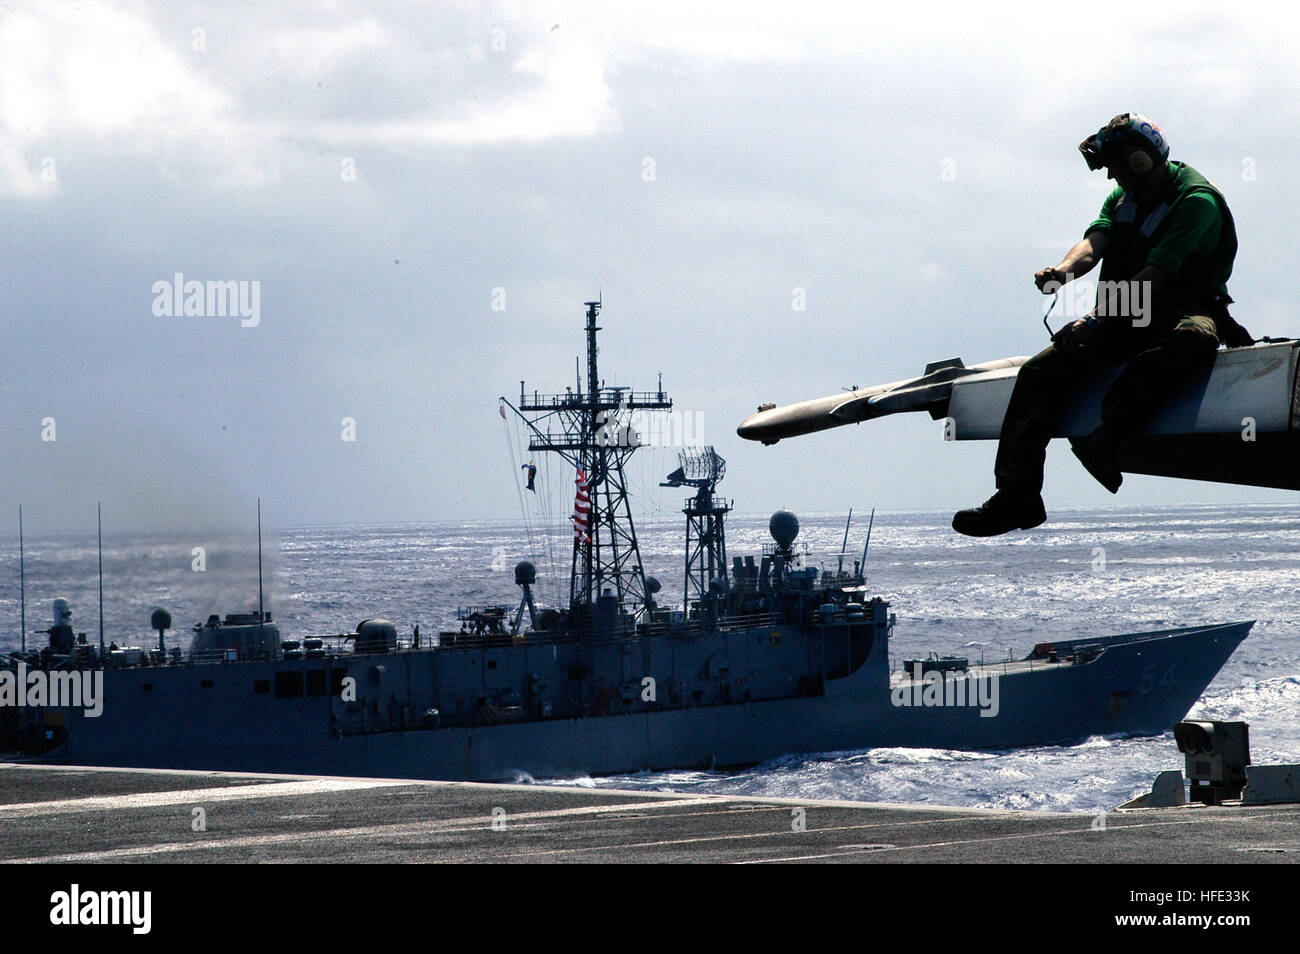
point(1086, 572)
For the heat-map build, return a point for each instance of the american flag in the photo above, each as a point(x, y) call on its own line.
point(581, 510)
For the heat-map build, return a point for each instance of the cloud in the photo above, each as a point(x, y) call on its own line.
point(560, 92)
point(193, 99)
point(75, 79)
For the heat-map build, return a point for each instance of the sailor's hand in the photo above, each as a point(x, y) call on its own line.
point(1050, 279)
point(1073, 335)
point(1078, 334)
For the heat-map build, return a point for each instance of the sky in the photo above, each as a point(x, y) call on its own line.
point(415, 199)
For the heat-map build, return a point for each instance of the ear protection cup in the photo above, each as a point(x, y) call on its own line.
point(1140, 161)
point(1129, 138)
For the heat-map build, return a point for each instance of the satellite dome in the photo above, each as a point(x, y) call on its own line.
point(525, 573)
point(652, 585)
point(784, 527)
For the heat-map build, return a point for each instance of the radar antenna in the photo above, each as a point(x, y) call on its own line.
point(706, 538)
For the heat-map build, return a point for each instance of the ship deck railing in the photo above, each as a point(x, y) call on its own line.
point(344, 645)
point(1004, 667)
point(747, 621)
point(1007, 667)
point(610, 398)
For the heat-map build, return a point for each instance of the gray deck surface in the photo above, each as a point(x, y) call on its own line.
point(59, 814)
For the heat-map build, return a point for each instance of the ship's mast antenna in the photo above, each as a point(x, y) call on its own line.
point(868, 543)
point(592, 584)
point(590, 429)
point(99, 527)
point(845, 544)
point(22, 583)
point(261, 614)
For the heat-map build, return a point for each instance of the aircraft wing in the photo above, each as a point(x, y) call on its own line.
point(1239, 422)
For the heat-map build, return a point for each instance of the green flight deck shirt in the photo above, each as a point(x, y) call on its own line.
point(1185, 228)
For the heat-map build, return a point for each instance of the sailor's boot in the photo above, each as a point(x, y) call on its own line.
point(1098, 452)
point(1006, 510)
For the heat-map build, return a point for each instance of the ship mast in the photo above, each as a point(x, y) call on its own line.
point(706, 537)
point(591, 429)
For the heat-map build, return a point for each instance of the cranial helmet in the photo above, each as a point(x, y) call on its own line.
point(1130, 140)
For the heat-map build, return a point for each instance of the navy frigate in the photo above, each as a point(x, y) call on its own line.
point(766, 656)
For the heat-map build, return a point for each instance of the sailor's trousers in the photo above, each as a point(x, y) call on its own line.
point(1162, 356)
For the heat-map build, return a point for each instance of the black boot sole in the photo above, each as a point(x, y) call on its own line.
point(977, 525)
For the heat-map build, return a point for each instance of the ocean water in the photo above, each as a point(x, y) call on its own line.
point(1086, 572)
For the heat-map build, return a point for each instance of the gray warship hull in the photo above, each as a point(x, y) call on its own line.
point(212, 716)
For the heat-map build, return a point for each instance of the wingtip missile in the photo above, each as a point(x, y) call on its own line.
point(929, 392)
